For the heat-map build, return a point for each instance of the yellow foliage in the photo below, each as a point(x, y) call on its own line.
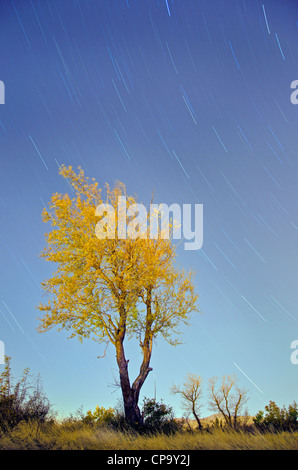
point(96, 279)
point(100, 415)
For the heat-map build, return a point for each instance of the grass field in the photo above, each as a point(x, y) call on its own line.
point(61, 437)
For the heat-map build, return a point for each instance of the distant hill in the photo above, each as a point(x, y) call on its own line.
point(219, 416)
point(213, 417)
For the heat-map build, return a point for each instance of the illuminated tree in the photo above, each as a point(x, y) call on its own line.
point(111, 289)
point(227, 398)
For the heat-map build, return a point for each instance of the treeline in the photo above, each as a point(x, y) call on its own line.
point(23, 401)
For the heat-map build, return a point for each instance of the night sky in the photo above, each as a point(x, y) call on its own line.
point(187, 98)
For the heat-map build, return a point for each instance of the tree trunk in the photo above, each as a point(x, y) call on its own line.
point(130, 400)
point(131, 393)
point(131, 409)
point(197, 419)
point(146, 346)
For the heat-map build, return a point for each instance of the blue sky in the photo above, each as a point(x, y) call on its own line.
point(192, 100)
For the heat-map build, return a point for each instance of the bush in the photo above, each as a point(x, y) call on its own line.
point(23, 401)
point(100, 416)
point(157, 417)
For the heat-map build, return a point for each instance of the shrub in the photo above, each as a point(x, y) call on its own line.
point(23, 401)
point(100, 415)
point(157, 417)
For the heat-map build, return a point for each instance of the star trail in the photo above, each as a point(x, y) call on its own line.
point(189, 100)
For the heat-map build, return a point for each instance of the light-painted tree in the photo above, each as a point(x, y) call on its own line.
point(111, 289)
point(227, 398)
point(191, 393)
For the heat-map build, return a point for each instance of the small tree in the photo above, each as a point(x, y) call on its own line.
point(277, 419)
point(292, 416)
point(190, 392)
point(227, 398)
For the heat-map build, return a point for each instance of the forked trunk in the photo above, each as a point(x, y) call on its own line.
point(131, 393)
point(130, 398)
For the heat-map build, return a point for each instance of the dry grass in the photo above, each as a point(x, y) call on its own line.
point(60, 437)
